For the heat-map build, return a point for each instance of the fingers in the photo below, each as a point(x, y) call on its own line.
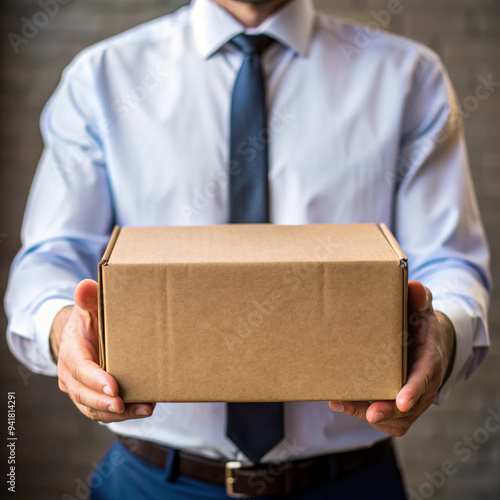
point(86, 295)
point(380, 411)
point(419, 297)
point(78, 357)
point(85, 396)
point(396, 427)
point(426, 369)
point(396, 417)
point(89, 386)
point(420, 380)
point(354, 408)
point(95, 400)
point(92, 389)
point(131, 412)
point(88, 373)
point(425, 363)
point(382, 415)
point(372, 413)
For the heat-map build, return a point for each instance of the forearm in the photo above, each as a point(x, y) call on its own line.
point(31, 305)
point(42, 282)
point(68, 220)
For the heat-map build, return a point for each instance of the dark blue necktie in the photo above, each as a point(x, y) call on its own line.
point(254, 428)
point(248, 152)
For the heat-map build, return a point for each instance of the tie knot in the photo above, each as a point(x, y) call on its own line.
point(252, 45)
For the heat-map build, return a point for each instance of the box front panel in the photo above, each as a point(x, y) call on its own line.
point(254, 332)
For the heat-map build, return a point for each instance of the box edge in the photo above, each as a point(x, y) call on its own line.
point(404, 322)
point(100, 300)
point(392, 241)
point(404, 334)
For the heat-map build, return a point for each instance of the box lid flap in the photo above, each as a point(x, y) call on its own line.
point(253, 243)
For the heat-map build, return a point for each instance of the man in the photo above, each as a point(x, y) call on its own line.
point(251, 111)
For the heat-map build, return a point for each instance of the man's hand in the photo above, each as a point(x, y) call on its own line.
point(430, 352)
point(75, 346)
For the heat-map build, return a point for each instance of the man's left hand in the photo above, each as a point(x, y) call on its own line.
point(430, 352)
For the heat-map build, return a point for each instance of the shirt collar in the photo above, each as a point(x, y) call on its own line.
point(292, 25)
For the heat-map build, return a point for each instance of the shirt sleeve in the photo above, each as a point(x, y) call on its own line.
point(437, 219)
point(67, 221)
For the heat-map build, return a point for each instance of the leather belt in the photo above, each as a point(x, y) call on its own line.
point(246, 480)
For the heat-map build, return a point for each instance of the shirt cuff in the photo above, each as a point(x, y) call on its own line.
point(463, 325)
point(44, 318)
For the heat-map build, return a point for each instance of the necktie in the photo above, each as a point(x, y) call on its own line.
point(248, 153)
point(255, 428)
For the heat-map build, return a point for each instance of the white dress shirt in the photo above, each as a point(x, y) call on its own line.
point(137, 134)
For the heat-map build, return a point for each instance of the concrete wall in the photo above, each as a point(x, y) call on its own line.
point(57, 447)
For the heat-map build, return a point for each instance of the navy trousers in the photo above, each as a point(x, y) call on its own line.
point(122, 476)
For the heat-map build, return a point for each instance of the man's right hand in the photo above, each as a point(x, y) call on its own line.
point(75, 346)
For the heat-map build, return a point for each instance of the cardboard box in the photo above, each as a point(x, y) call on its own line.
point(254, 312)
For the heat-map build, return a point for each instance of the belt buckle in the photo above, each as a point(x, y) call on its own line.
point(231, 468)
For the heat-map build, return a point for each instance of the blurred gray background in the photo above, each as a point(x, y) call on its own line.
point(57, 447)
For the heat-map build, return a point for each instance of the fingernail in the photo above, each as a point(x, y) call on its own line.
point(378, 417)
point(142, 412)
point(336, 406)
point(107, 390)
point(410, 404)
point(112, 409)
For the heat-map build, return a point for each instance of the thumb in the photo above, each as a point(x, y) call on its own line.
point(419, 297)
point(86, 296)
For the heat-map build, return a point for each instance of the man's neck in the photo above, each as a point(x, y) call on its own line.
point(250, 15)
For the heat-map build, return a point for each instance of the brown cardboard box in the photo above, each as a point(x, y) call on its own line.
point(254, 313)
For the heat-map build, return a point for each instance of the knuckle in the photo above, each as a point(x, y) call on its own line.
point(426, 381)
point(62, 385)
point(400, 429)
point(61, 358)
point(357, 412)
point(99, 404)
point(77, 396)
point(397, 432)
point(412, 411)
point(93, 414)
point(62, 355)
point(75, 371)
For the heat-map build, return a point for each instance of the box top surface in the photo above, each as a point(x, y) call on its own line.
point(252, 243)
